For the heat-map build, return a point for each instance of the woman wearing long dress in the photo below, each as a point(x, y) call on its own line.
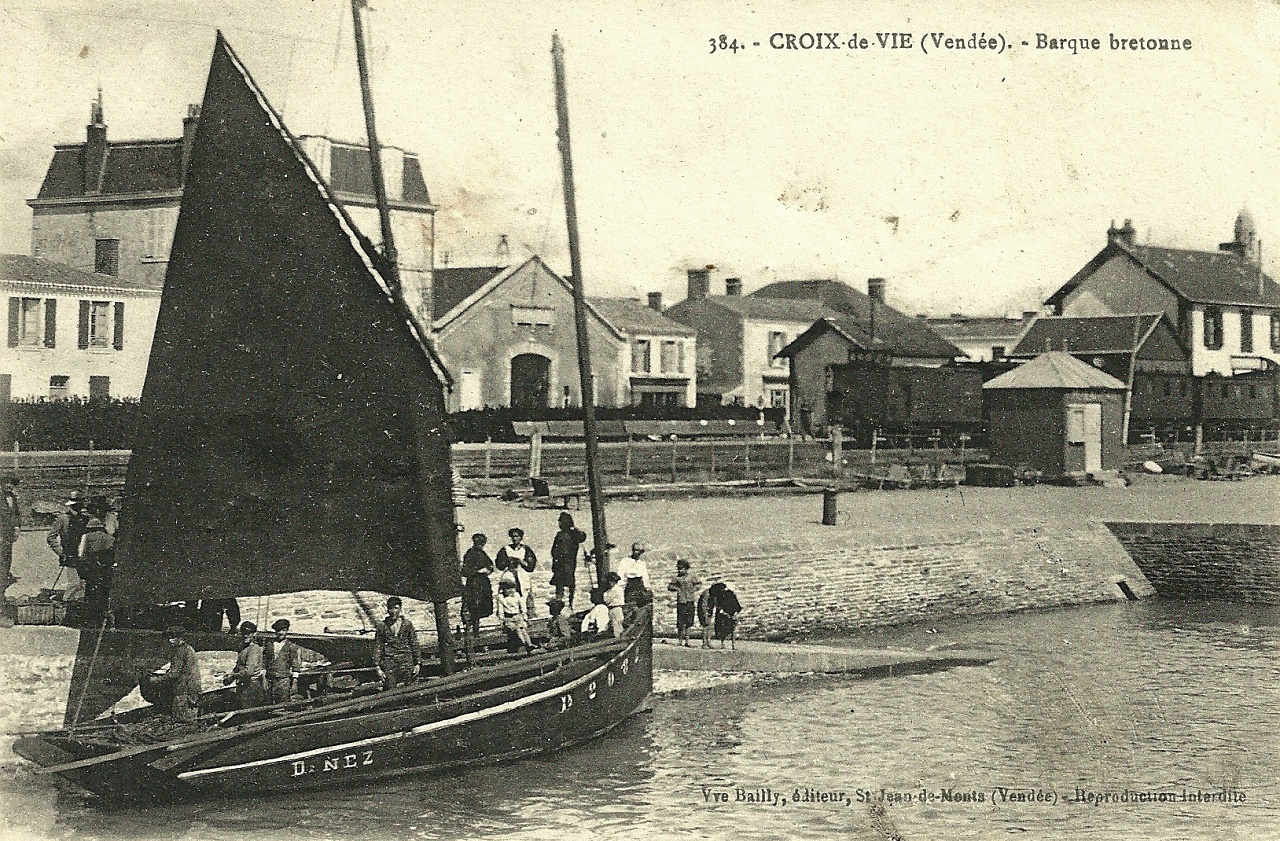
point(477, 592)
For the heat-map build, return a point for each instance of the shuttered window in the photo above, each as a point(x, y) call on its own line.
point(32, 322)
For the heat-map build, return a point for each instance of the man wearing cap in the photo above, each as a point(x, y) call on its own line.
point(283, 659)
point(249, 674)
point(68, 528)
point(396, 655)
point(10, 521)
point(182, 680)
point(634, 573)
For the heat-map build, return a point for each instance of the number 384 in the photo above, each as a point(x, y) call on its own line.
point(725, 44)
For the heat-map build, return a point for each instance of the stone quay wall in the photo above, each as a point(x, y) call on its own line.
point(852, 581)
point(1229, 561)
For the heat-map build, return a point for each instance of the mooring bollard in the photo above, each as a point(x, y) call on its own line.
point(829, 508)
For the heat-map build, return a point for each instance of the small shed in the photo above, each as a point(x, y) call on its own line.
point(1057, 415)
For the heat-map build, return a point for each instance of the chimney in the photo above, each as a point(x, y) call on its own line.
point(655, 301)
point(95, 147)
point(1243, 244)
point(733, 287)
point(189, 124)
point(875, 289)
point(1125, 236)
point(699, 284)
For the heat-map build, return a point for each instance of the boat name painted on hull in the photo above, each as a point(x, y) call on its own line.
point(333, 763)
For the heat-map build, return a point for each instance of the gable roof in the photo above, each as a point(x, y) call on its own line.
point(903, 335)
point(842, 325)
point(451, 286)
point(1055, 370)
point(478, 294)
point(1100, 334)
point(1203, 277)
point(629, 315)
point(21, 270)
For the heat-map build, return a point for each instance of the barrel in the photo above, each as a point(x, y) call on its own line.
point(829, 506)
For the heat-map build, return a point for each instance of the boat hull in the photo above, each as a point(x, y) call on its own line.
point(573, 701)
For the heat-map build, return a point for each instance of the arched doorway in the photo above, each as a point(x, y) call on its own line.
point(530, 381)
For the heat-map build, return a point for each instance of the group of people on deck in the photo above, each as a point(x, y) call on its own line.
point(263, 674)
point(514, 601)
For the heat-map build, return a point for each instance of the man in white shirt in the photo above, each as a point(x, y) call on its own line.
point(634, 573)
point(597, 619)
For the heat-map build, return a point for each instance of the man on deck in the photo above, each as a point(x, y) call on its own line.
point(182, 679)
point(284, 660)
point(396, 655)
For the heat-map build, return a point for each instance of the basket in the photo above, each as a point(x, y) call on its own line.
point(41, 614)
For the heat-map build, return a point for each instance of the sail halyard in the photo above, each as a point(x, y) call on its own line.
point(600, 533)
point(422, 417)
point(293, 405)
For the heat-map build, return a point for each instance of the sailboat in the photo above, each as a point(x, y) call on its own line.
point(294, 439)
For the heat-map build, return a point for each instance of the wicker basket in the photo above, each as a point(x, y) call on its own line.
point(41, 614)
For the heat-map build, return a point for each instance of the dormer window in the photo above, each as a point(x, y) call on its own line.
point(1213, 328)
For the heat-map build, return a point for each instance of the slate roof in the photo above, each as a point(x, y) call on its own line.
point(135, 166)
point(977, 327)
point(1056, 370)
point(146, 166)
point(903, 335)
point(844, 326)
point(1102, 334)
point(629, 315)
point(773, 309)
point(451, 286)
point(20, 269)
point(1204, 277)
point(351, 172)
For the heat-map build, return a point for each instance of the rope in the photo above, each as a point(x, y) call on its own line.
point(75, 719)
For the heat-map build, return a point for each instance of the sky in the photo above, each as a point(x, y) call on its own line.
point(974, 181)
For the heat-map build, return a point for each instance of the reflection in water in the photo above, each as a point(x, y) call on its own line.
point(1151, 696)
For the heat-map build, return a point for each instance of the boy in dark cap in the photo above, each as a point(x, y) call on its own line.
point(396, 655)
point(284, 659)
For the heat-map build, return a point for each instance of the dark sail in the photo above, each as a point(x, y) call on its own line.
point(293, 415)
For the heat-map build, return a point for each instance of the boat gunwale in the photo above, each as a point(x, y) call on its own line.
point(594, 649)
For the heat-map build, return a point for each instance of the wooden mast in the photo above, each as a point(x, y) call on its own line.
point(599, 533)
point(444, 639)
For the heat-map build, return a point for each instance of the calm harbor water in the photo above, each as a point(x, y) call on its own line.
point(1120, 703)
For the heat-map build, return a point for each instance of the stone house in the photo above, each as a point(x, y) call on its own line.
point(507, 336)
point(1224, 308)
